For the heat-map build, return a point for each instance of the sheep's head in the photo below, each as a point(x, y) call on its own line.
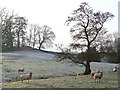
point(101, 73)
point(115, 67)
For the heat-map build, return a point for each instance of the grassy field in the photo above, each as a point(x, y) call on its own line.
point(54, 74)
point(110, 80)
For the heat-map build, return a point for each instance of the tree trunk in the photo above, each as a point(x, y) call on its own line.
point(87, 68)
point(39, 48)
point(18, 42)
point(40, 44)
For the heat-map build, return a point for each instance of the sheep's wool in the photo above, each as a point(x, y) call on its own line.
point(25, 76)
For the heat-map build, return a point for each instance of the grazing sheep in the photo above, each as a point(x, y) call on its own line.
point(26, 77)
point(21, 70)
point(114, 69)
point(98, 76)
point(93, 72)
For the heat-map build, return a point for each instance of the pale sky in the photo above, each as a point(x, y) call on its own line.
point(54, 13)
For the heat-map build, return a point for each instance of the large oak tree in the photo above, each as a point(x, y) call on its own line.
point(87, 28)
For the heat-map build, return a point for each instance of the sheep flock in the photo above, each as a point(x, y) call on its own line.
point(96, 75)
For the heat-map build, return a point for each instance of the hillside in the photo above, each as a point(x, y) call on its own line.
point(42, 65)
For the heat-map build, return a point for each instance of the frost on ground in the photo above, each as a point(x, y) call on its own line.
point(42, 64)
point(27, 55)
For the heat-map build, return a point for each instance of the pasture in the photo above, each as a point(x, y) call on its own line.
point(47, 73)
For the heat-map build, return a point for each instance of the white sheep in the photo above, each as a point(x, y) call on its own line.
point(93, 73)
point(114, 69)
point(21, 70)
point(98, 76)
point(27, 76)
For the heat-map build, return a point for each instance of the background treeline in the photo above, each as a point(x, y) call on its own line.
point(16, 32)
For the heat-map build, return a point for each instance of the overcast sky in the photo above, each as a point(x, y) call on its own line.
point(54, 13)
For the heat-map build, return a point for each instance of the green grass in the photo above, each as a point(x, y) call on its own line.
point(110, 80)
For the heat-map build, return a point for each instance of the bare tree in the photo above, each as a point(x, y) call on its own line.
point(107, 44)
point(40, 36)
point(33, 32)
point(6, 26)
point(29, 39)
point(1, 20)
point(116, 42)
point(20, 24)
point(46, 36)
point(87, 26)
